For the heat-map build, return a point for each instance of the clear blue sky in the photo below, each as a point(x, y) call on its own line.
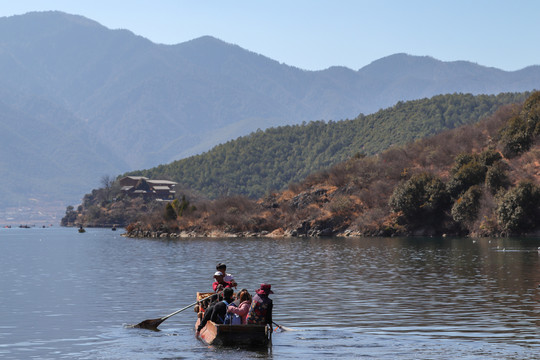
point(317, 34)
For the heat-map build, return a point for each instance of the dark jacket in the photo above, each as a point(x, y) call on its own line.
point(215, 313)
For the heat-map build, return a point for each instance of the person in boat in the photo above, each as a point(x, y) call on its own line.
point(260, 311)
point(222, 279)
point(202, 306)
point(217, 312)
point(242, 308)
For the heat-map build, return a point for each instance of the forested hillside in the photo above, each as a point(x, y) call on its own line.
point(269, 160)
point(480, 179)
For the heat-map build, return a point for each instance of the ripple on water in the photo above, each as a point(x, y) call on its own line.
point(68, 296)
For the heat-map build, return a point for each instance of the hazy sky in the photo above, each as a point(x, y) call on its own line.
point(317, 34)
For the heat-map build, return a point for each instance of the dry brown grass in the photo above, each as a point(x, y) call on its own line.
point(356, 192)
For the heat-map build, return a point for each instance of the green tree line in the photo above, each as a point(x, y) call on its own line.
point(269, 160)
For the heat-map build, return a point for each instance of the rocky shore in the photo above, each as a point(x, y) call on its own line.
point(217, 234)
point(294, 233)
point(303, 230)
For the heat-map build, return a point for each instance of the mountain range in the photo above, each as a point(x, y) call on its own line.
point(79, 100)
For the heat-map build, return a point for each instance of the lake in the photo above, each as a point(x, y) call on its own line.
point(65, 295)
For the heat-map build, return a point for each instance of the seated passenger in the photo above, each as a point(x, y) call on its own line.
point(203, 305)
point(222, 279)
point(242, 309)
point(217, 312)
point(260, 311)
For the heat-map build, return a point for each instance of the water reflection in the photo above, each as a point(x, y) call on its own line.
point(453, 287)
point(67, 295)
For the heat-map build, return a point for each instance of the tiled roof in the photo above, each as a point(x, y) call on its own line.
point(162, 182)
point(135, 177)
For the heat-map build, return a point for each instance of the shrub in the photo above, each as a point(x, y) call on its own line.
point(419, 198)
point(462, 160)
point(514, 137)
point(233, 213)
point(518, 209)
point(486, 223)
point(338, 175)
point(93, 214)
point(531, 114)
point(341, 206)
point(370, 221)
point(170, 212)
point(517, 136)
point(70, 217)
point(497, 177)
point(489, 157)
point(181, 206)
point(465, 175)
point(465, 209)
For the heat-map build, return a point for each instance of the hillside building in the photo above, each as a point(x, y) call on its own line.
point(140, 186)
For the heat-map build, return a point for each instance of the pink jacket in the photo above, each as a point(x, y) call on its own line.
point(242, 310)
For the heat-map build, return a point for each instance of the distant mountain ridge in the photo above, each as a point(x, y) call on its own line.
point(134, 104)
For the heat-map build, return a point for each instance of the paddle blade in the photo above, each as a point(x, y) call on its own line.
point(151, 324)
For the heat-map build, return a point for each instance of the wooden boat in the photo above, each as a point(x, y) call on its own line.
point(233, 335)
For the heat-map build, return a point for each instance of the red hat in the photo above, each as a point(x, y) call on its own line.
point(265, 289)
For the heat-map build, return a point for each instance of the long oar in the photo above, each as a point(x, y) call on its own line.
point(152, 324)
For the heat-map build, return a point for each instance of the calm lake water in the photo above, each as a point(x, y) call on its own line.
point(65, 295)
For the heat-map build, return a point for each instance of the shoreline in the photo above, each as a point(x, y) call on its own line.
point(141, 234)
